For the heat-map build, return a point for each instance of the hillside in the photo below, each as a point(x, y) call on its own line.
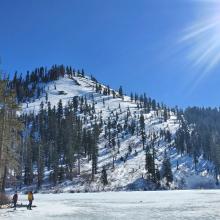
point(123, 143)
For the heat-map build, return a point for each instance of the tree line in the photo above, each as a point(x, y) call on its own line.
point(59, 138)
point(199, 134)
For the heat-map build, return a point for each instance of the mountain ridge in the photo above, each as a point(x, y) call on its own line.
point(126, 165)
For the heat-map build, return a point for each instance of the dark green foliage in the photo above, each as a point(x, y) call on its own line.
point(166, 171)
point(57, 140)
point(149, 163)
point(204, 138)
point(142, 127)
point(152, 171)
point(94, 146)
point(168, 136)
point(29, 87)
point(59, 137)
point(104, 178)
point(120, 92)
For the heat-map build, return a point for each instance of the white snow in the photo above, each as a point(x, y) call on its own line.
point(133, 169)
point(65, 84)
point(160, 205)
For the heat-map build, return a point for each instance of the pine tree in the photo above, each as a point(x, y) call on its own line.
point(28, 160)
point(95, 135)
point(40, 165)
point(165, 114)
point(150, 166)
point(104, 178)
point(132, 97)
point(142, 127)
point(10, 127)
point(166, 171)
point(120, 92)
point(168, 137)
point(70, 141)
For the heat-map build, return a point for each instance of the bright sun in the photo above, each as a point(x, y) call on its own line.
point(202, 39)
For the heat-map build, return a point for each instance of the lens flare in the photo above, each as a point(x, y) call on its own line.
point(202, 40)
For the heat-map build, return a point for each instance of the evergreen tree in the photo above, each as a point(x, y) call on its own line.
point(166, 171)
point(10, 127)
point(40, 165)
point(149, 163)
point(120, 92)
point(28, 158)
point(95, 135)
point(104, 178)
point(132, 97)
point(142, 127)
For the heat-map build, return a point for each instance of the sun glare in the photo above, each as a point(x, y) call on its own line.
point(202, 40)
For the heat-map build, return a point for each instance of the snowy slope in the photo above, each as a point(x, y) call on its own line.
point(131, 173)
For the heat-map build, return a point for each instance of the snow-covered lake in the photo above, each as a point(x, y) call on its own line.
point(172, 205)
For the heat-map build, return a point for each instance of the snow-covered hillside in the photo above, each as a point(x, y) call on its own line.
point(128, 172)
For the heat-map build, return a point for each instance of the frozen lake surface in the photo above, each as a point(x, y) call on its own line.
point(172, 205)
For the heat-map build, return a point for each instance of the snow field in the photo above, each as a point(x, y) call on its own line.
point(160, 205)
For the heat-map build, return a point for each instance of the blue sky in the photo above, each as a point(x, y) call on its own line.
point(122, 42)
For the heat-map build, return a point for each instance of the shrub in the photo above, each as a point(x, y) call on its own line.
point(4, 199)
